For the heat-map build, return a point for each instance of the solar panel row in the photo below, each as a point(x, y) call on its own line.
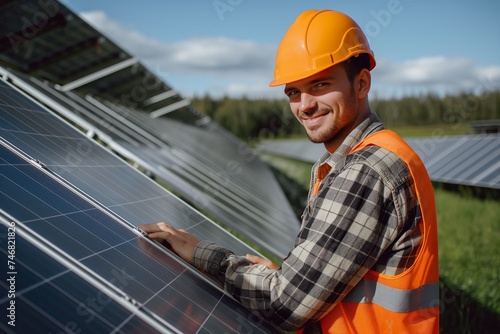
point(89, 167)
point(81, 74)
point(97, 273)
point(472, 160)
point(206, 166)
point(81, 265)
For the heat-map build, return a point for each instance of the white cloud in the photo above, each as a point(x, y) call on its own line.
point(246, 67)
point(203, 55)
point(258, 89)
point(437, 74)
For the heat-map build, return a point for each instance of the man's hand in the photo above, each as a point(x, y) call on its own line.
point(181, 241)
point(258, 260)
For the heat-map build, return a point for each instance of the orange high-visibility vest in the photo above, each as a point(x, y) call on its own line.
point(408, 302)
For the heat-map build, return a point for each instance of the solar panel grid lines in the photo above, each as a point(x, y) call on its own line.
point(485, 163)
point(221, 168)
point(453, 159)
point(212, 165)
point(61, 106)
point(225, 189)
point(119, 256)
point(61, 53)
point(426, 149)
point(97, 173)
point(479, 156)
point(38, 164)
point(471, 160)
point(244, 163)
point(187, 147)
point(13, 202)
point(64, 294)
point(214, 182)
point(100, 121)
point(242, 209)
point(219, 206)
point(491, 174)
point(100, 106)
point(67, 267)
point(140, 118)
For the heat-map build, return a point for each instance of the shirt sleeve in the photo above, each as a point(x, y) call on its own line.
point(346, 228)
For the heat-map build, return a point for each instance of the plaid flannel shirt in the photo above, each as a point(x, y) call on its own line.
point(364, 216)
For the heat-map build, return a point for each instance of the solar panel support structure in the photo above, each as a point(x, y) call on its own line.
point(169, 108)
point(98, 75)
point(159, 97)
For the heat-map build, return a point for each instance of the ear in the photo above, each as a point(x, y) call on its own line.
point(363, 83)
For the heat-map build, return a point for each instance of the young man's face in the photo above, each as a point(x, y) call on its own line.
point(325, 104)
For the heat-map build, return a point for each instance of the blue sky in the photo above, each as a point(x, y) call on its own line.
point(227, 47)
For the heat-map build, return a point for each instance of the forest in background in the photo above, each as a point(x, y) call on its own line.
point(259, 119)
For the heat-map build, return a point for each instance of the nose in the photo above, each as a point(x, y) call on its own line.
point(307, 103)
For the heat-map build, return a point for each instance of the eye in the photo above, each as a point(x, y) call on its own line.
point(291, 92)
point(321, 84)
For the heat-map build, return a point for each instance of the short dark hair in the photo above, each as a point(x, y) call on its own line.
point(355, 64)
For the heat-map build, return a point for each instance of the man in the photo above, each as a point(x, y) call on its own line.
point(365, 259)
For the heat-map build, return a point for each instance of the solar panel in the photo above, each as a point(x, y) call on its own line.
point(79, 72)
point(91, 243)
point(45, 295)
point(49, 41)
point(298, 149)
point(472, 160)
point(207, 166)
point(91, 168)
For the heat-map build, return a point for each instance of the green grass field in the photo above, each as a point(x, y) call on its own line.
point(469, 259)
point(469, 235)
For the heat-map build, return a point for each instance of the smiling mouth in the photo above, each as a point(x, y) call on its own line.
point(314, 121)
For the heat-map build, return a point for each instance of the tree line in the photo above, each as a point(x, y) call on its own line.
point(258, 119)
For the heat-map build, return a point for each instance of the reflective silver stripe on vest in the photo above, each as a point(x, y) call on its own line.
point(395, 300)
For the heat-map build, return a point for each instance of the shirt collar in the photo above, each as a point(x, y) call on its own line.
point(365, 128)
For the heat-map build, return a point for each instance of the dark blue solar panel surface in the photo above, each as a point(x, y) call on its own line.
point(472, 160)
point(95, 171)
point(207, 166)
point(49, 297)
point(93, 235)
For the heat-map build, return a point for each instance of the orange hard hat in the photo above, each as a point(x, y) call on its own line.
point(317, 40)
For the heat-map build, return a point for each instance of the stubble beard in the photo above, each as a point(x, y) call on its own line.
point(331, 130)
point(322, 135)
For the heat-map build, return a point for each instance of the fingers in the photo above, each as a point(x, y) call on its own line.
point(158, 230)
point(158, 227)
point(253, 258)
point(258, 260)
point(181, 241)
